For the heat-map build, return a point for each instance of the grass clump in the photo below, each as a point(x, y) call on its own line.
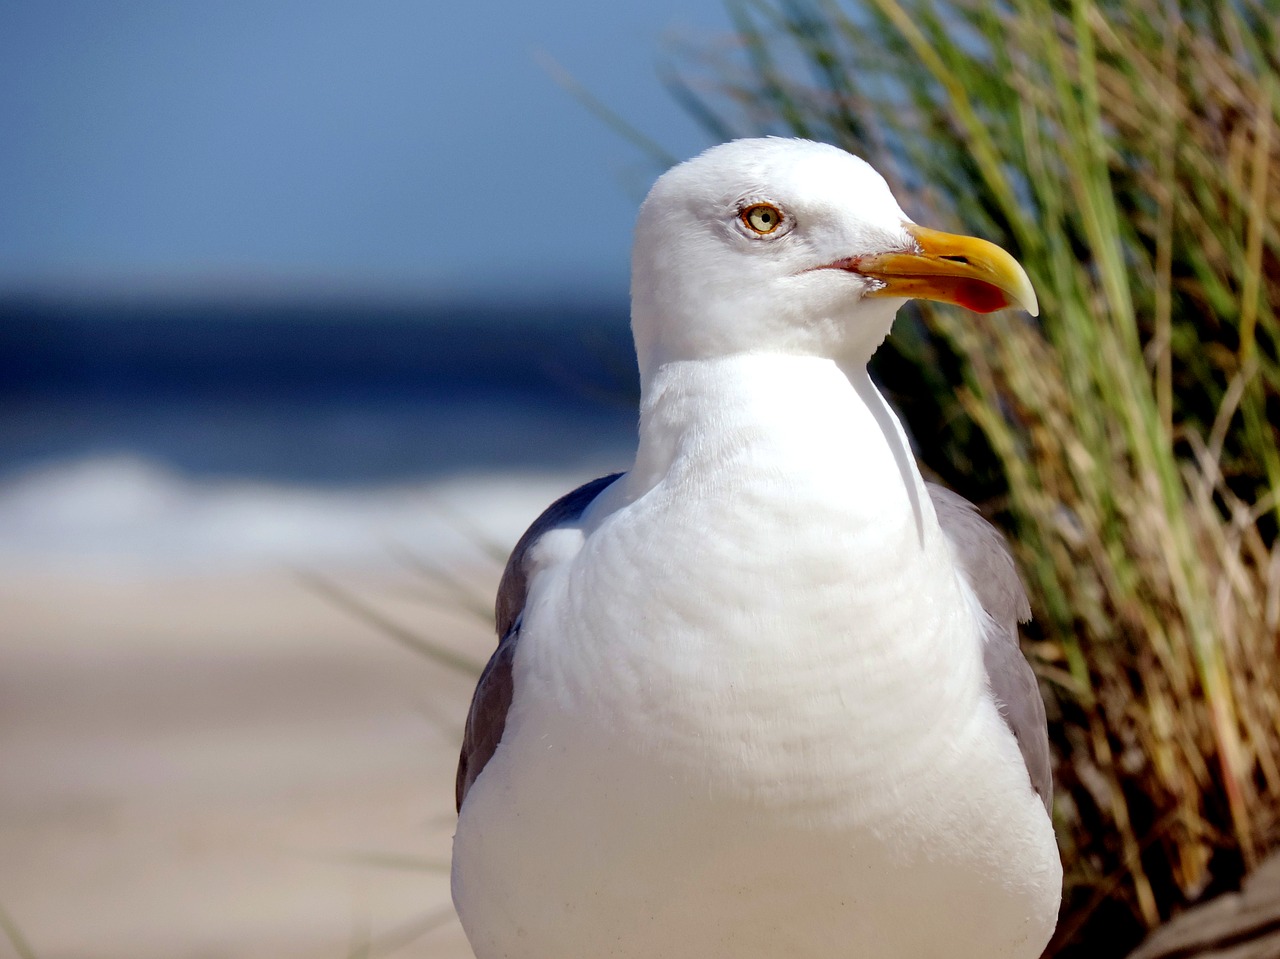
point(1126, 152)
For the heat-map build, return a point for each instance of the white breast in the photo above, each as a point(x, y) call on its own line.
point(750, 716)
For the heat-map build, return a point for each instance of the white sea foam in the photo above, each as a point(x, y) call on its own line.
point(132, 515)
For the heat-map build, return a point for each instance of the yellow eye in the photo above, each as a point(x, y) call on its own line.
point(762, 218)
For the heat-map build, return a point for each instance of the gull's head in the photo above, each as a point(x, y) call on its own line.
point(789, 246)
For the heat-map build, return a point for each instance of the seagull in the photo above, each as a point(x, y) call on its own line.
point(761, 695)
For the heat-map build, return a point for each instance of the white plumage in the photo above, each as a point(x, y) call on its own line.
point(750, 710)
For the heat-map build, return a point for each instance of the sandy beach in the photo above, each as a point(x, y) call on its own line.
point(202, 756)
point(226, 765)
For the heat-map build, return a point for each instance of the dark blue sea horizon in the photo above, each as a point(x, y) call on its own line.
point(323, 392)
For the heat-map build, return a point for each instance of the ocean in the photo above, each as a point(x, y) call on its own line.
point(227, 434)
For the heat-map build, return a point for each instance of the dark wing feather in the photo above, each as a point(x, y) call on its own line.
point(987, 564)
point(488, 714)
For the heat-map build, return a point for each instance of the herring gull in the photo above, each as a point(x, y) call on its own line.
point(761, 696)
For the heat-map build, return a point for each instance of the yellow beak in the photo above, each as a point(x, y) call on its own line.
point(962, 270)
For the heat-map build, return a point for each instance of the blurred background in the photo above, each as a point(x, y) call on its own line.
point(292, 295)
point(307, 309)
point(315, 245)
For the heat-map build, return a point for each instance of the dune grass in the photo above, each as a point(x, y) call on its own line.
point(17, 941)
point(1126, 152)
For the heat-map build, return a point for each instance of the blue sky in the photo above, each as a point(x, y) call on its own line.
point(384, 147)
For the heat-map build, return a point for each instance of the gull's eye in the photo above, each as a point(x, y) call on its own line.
point(762, 218)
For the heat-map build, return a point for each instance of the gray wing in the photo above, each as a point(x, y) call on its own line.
point(488, 714)
point(987, 564)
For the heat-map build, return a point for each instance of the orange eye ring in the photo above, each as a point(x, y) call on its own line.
point(761, 218)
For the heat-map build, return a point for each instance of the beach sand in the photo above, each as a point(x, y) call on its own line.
point(226, 766)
